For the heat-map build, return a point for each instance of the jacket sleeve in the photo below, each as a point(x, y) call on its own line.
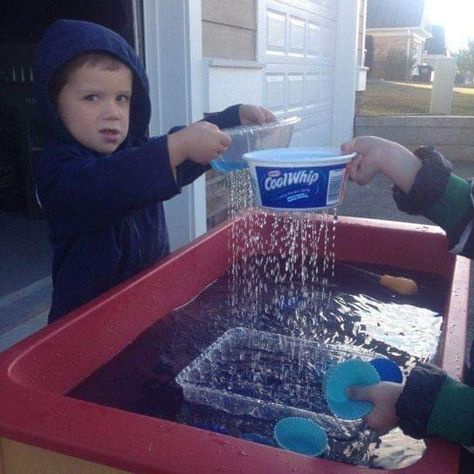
point(433, 404)
point(83, 192)
point(442, 197)
point(228, 118)
point(188, 171)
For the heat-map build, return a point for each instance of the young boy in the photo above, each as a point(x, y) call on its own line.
point(430, 403)
point(100, 181)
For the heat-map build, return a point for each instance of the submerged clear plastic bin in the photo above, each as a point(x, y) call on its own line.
point(252, 138)
point(269, 376)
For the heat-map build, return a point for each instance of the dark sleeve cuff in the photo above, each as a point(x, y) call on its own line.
point(176, 129)
point(228, 118)
point(430, 182)
point(188, 171)
point(416, 402)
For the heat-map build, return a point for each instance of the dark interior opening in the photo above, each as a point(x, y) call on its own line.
point(22, 24)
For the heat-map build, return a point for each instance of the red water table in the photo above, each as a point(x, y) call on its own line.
point(42, 430)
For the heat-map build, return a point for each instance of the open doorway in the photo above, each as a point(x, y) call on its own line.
point(25, 255)
point(21, 137)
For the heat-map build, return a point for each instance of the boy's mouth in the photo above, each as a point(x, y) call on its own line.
point(110, 134)
point(109, 131)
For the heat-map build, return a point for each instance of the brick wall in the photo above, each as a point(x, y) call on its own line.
point(382, 45)
point(217, 198)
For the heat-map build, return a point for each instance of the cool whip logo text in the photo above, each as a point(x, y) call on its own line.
point(278, 180)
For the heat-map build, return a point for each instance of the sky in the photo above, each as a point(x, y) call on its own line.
point(457, 16)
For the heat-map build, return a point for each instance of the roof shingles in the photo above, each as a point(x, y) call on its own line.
point(396, 14)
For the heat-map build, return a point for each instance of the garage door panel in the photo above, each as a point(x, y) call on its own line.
point(322, 8)
point(299, 36)
point(274, 92)
point(299, 57)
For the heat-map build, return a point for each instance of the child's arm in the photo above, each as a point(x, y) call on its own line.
point(379, 156)
point(202, 141)
point(424, 185)
point(233, 116)
point(82, 193)
point(431, 404)
point(96, 191)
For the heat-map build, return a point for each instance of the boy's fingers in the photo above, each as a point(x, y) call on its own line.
point(346, 147)
point(362, 393)
point(259, 116)
point(225, 139)
point(269, 116)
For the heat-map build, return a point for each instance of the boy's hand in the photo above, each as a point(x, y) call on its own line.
point(377, 155)
point(367, 163)
point(255, 114)
point(200, 142)
point(383, 395)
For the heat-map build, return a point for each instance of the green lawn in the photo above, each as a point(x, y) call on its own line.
point(396, 98)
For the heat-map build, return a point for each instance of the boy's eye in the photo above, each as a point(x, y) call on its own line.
point(91, 97)
point(123, 98)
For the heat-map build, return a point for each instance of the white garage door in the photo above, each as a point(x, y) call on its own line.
point(298, 43)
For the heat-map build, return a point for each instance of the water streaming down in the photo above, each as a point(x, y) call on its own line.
point(296, 273)
point(299, 278)
point(279, 284)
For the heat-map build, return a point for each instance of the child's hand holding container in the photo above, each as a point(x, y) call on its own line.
point(200, 142)
point(247, 138)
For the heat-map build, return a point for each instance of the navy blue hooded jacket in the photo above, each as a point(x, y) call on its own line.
point(105, 213)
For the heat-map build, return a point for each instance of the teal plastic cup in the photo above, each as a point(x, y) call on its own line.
point(339, 378)
point(301, 435)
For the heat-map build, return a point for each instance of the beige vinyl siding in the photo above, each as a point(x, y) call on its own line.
point(229, 29)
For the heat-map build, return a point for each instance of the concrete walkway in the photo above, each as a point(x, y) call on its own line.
point(24, 312)
point(25, 280)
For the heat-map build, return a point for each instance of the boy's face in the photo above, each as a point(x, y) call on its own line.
point(94, 106)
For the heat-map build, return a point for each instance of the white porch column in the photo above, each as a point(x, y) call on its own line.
point(173, 56)
point(346, 71)
point(443, 84)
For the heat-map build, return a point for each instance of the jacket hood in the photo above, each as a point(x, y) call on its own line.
point(65, 40)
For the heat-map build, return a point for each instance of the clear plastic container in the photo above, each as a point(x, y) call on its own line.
point(252, 138)
point(268, 376)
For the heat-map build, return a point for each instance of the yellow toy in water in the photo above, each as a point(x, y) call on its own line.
point(400, 285)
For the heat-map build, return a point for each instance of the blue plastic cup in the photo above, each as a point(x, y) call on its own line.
point(301, 435)
point(388, 370)
point(341, 376)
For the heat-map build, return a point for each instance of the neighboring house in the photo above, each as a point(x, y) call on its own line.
point(297, 57)
point(396, 25)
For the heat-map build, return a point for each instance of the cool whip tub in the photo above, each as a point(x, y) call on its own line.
point(298, 179)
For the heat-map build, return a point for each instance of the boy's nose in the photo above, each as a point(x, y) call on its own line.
point(112, 111)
